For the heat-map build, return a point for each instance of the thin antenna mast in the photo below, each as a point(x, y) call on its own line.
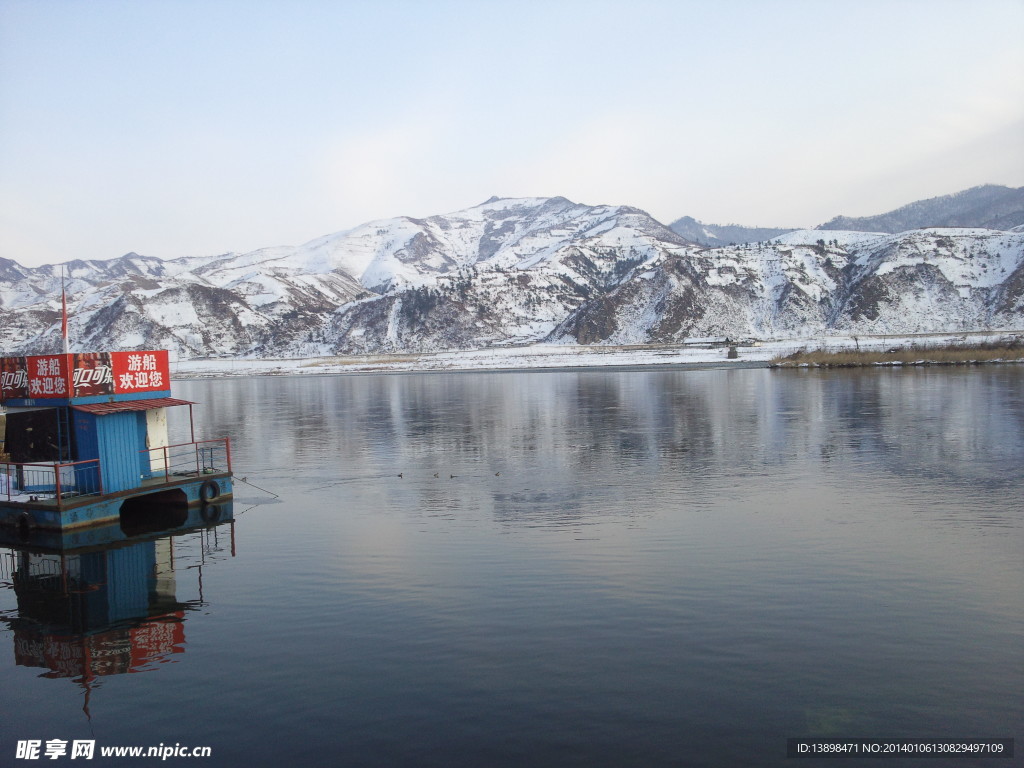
point(63, 312)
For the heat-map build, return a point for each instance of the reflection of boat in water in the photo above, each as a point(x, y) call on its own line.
point(87, 445)
point(108, 609)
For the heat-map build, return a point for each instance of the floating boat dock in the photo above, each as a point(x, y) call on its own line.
point(86, 445)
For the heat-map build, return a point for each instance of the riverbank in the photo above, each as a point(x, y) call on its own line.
point(533, 357)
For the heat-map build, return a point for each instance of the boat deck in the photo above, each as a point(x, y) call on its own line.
point(148, 485)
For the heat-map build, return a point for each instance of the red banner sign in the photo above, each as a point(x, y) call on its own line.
point(84, 374)
point(13, 378)
point(48, 376)
point(140, 371)
point(93, 374)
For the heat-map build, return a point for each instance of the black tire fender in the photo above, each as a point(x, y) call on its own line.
point(209, 491)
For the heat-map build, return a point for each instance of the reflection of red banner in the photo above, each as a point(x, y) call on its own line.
point(84, 374)
point(157, 638)
point(113, 652)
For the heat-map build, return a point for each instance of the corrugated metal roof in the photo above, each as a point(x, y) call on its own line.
point(131, 405)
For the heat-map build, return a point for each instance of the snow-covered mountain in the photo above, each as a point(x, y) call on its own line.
point(803, 284)
point(514, 271)
point(988, 206)
point(714, 235)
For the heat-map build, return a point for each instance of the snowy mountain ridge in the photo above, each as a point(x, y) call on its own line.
point(988, 206)
point(518, 270)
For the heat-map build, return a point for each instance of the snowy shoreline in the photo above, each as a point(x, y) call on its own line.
point(539, 357)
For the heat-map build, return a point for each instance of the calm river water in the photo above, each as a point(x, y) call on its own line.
point(648, 568)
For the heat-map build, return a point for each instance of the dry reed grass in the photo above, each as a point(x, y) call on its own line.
point(948, 355)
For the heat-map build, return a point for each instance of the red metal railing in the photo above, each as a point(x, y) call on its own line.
point(204, 457)
point(34, 481)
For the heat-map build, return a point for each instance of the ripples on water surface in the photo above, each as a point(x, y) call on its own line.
point(587, 568)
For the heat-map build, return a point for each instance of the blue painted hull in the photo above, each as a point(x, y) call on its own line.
point(76, 539)
point(97, 511)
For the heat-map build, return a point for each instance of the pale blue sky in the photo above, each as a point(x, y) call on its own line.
point(192, 127)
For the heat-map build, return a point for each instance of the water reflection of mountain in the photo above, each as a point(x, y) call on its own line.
point(571, 448)
point(936, 421)
point(107, 609)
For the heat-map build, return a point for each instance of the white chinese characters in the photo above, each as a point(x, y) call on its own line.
point(143, 373)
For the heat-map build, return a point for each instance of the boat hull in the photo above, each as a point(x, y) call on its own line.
point(96, 511)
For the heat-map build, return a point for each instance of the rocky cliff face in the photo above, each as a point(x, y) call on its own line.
point(805, 284)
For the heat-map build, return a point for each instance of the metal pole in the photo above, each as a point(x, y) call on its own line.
point(56, 485)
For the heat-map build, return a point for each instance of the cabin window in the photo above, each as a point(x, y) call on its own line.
point(36, 436)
